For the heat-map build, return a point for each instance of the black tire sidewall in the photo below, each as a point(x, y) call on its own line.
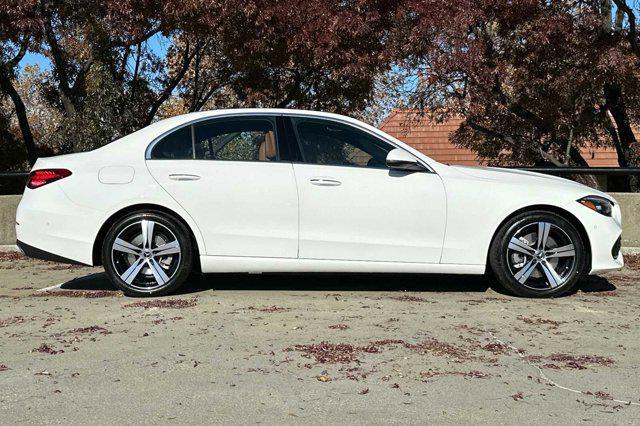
point(186, 255)
point(498, 258)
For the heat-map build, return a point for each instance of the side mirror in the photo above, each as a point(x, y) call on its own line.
point(399, 159)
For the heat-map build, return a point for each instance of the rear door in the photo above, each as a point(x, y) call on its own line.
point(228, 175)
point(352, 207)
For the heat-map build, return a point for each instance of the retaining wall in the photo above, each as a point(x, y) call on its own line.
point(629, 202)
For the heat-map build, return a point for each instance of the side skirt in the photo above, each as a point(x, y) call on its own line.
point(212, 264)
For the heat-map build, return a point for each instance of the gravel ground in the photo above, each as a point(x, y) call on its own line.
point(315, 349)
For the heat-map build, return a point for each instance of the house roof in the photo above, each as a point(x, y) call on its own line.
point(432, 139)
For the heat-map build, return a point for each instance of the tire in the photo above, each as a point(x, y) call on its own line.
point(156, 268)
point(524, 269)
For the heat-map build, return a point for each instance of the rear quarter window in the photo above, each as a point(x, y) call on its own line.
point(176, 145)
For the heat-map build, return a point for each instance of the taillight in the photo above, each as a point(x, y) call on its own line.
point(38, 178)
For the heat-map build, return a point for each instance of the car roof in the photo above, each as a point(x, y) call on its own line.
point(161, 126)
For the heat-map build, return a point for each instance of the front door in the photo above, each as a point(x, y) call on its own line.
point(352, 207)
point(227, 175)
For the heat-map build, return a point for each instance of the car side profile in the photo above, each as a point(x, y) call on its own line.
point(273, 190)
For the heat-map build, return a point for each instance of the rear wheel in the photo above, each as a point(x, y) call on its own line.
point(147, 254)
point(538, 254)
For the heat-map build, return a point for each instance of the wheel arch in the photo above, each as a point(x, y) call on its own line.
point(551, 209)
point(97, 244)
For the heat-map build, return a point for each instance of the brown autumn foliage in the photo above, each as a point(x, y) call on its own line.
point(534, 80)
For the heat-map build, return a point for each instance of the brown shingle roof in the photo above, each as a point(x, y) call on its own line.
point(432, 139)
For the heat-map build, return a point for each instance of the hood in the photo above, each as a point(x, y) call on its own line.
point(516, 177)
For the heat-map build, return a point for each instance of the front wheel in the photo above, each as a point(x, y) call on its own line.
point(538, 254)
point(147, 254)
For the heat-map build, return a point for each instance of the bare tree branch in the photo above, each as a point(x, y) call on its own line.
point(632, 36)
point(197, 106)
point(60, 65)
point(172, 83)
point(137, 40)
point(21, 52)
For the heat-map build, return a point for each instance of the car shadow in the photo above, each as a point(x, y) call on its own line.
point(593, 284)
point(92, 282)
point(339, 282)
point(335, 282)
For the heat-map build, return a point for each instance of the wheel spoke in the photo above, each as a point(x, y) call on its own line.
point(543, 234)
point(564, 251)
point(552, 276)
point(130, 274)
point(165, 249)
point(149, 242)
point(523, 274)
point(157, 271)
point(520, 246)
point(147, 233)
point(121, 245)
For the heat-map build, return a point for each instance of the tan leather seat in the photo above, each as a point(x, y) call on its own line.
point(267, 150)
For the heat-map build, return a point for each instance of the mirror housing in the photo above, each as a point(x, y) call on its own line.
point(399, 159)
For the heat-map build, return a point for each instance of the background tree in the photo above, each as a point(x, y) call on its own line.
point(105, 81)
point(18, 25)
point(272, 54)
point(534, 80)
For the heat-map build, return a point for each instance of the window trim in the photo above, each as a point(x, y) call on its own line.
point(285, 115)
point(274, 128)
point(149, 149)
point(428, 169)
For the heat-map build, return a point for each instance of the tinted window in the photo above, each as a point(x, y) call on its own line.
point(235, 140)
point(175, 146)
point(329, 143)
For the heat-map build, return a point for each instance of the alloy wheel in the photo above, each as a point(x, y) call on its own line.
point(146, 255)
point(541, 256)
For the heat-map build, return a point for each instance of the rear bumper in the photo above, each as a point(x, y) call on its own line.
point(37, 253)
point(50, 226)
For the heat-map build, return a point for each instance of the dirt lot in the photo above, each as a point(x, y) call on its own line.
point(314, 349)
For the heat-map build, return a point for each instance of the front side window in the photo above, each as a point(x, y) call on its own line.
point(328, 143)
point(235, 140)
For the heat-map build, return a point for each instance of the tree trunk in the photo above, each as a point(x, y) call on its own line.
point(21, 112)
point(615, 104)
point(576, 157)
point(626, 144)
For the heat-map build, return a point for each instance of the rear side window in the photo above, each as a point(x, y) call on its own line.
point(175, 146)
point(235, 140)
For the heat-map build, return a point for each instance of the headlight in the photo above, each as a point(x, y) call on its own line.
point(597, 204)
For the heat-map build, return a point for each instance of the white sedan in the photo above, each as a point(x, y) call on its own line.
point(271, 190)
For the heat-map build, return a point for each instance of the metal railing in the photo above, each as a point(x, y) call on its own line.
point(598, 171)
point(14, 182)
point(13, 174)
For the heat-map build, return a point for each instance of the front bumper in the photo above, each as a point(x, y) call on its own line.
point(604, 234)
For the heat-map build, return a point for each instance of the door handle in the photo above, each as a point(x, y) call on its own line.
point(325, 181)
point(183, 176)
